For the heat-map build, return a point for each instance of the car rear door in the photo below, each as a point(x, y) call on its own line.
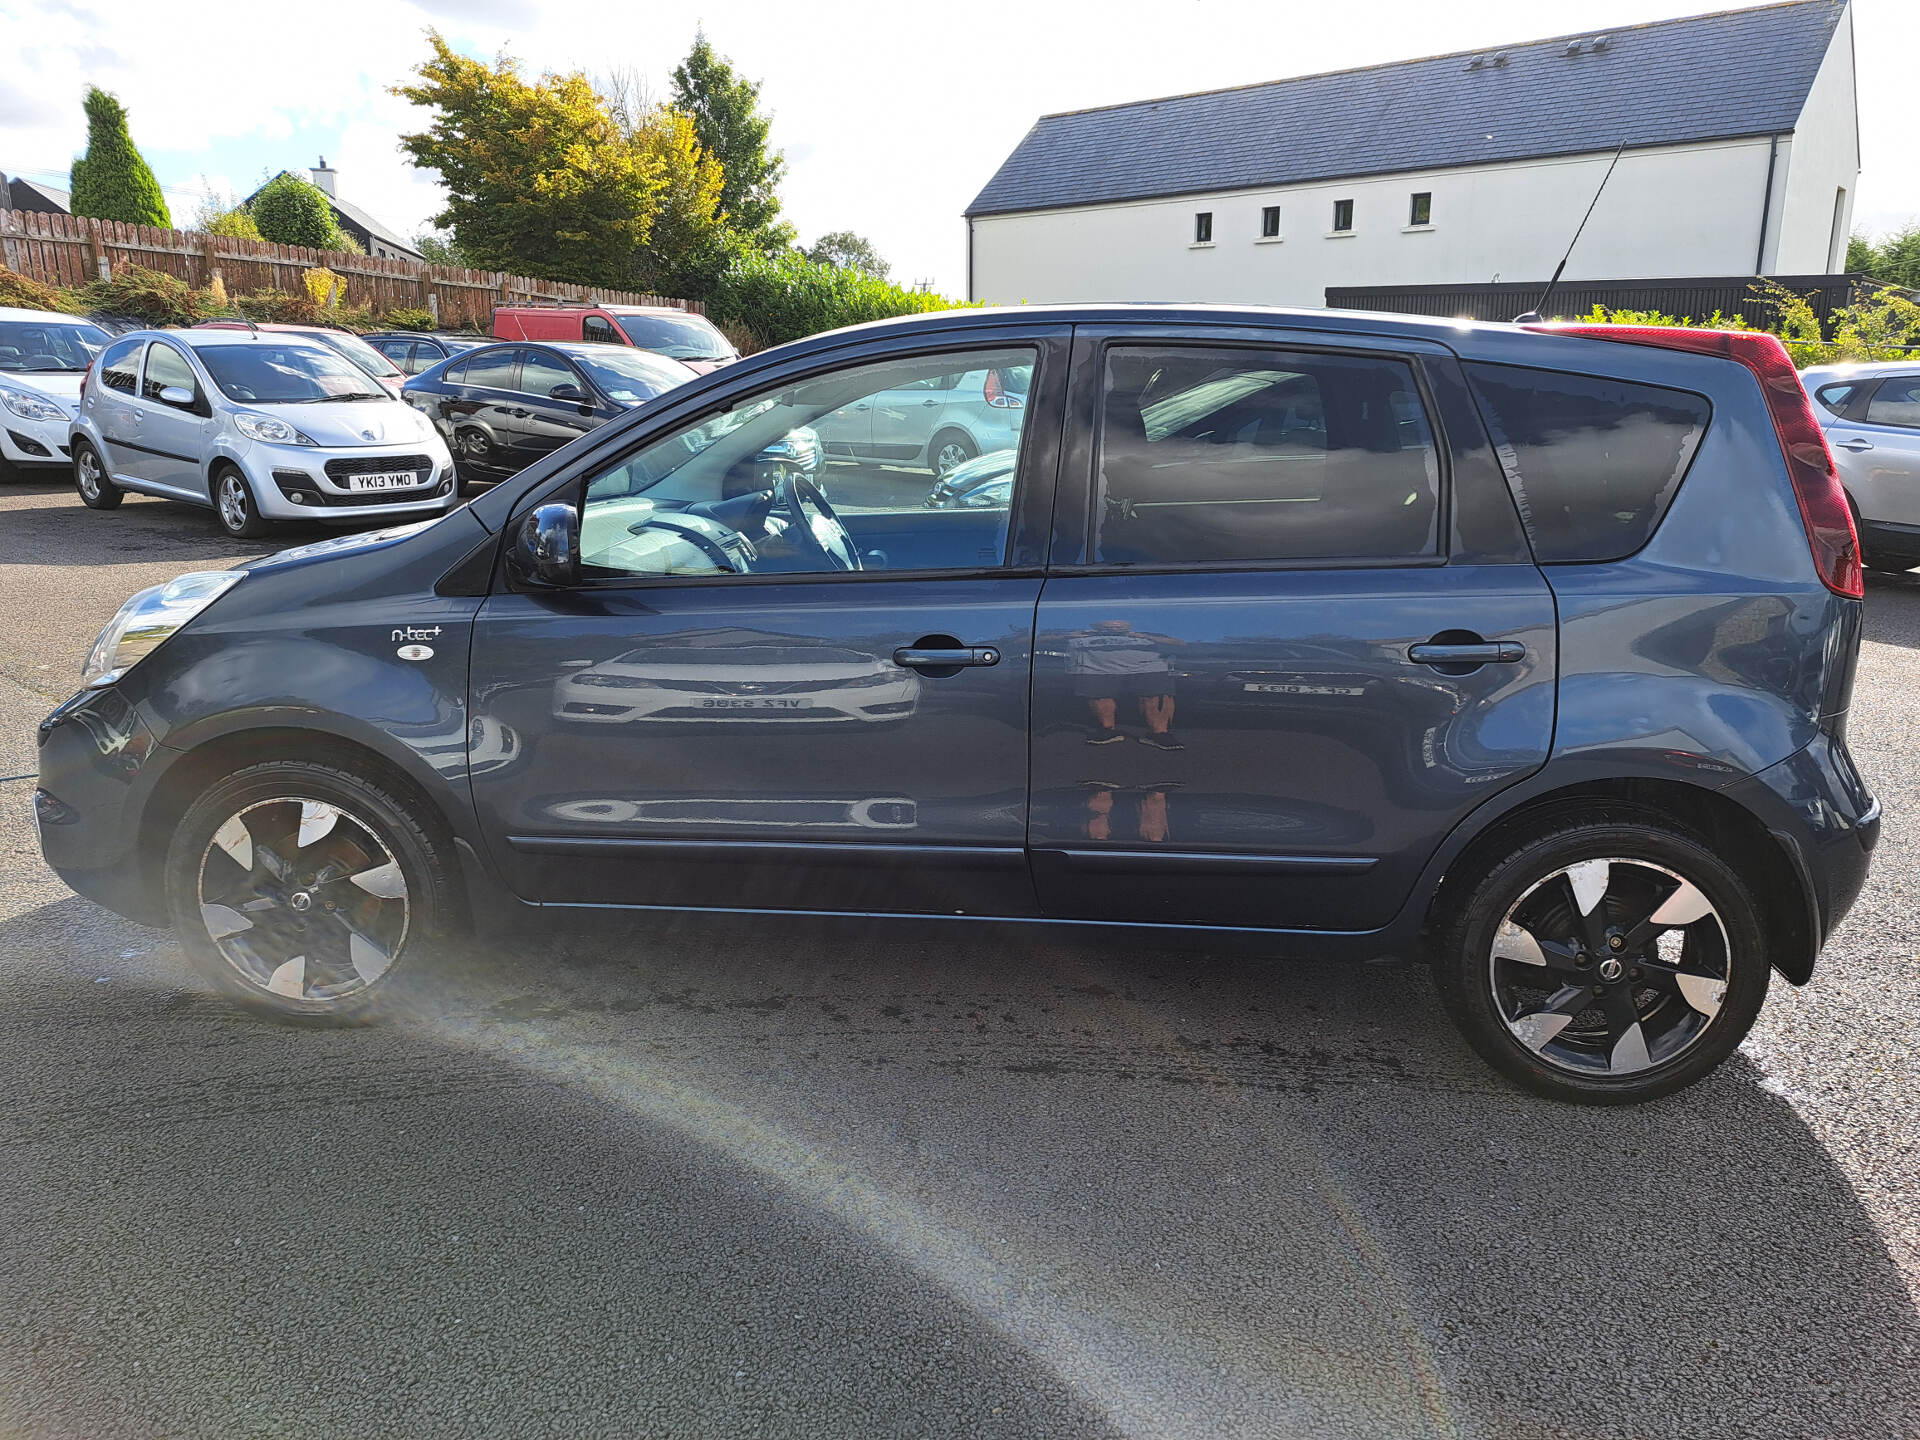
point(1880, 452)
point(1292, 634)
point(486, 412)
point(715, 718)
point(113, 406)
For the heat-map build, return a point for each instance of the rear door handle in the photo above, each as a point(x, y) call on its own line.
point(916, 657)
point(1856, 444)
point(1483, 652)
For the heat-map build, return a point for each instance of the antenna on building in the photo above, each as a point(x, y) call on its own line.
point(1534, 316)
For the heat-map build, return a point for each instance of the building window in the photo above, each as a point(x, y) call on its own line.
point(1420, 212)
point(1342, 216)
point(1203, 227)
point(1270, 222)
point(1837, 237)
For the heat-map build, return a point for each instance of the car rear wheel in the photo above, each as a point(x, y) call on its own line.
point(233, 502)
point(949, 451)
point(97, 492)
point(1608, 958)
point(300, 889)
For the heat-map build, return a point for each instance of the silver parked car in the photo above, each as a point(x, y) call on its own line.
point(260, 426)
point(1871, 414)
point(936, 423)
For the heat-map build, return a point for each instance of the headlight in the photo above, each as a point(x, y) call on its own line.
point(31, 407)
point(265, 427)
point(149, 618)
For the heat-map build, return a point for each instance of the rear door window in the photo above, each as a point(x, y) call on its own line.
point(491, 369)
point(1896, 402)
point(120, 366)
point(1593, 462)
point(1262, 456)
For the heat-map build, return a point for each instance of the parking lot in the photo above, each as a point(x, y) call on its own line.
point(687, 1176)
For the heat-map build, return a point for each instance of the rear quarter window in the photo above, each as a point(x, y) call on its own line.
point(1593, 462)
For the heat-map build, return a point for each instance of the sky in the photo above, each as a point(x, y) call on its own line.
point(892, 116)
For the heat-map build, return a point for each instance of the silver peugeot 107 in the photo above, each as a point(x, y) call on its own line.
point(258, 426)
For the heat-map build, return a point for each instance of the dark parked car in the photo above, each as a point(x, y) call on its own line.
point(502, 407)
point(412, 351)
point(1529, 651)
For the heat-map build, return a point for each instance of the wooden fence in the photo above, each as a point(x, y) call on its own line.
point(71, 250)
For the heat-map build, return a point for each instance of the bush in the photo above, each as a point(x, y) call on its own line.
point(111, 181)
point(24, 293)
point(235, 224)
point(406, 318)
point(291, 211)
point(152, 296)
point(1885, 326)
point(787, 297)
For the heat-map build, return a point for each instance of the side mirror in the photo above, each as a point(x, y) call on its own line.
point(567, 390)
point(177, 396)
point(544, 553)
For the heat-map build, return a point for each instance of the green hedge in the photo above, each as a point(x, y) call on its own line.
point(786, 297)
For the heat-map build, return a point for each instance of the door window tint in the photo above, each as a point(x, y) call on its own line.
point(455, 374)
point(1836, 397)
point(1211, 456)
point(596, 327)
point(1896, 402)
point(1594, 463)
point(539, 373)
point(120, 366)
point(491, 370)
point(749, 491)
point(165, 367)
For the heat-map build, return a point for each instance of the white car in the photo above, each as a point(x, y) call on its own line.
point(258, 425)
point(1871, 414)
point(43, 357)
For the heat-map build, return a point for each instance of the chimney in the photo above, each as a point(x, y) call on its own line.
point(323, 176)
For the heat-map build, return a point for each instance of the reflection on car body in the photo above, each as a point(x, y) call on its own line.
point(871, 812)
point(735, 678)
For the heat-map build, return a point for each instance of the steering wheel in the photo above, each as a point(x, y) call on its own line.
point(816, 530)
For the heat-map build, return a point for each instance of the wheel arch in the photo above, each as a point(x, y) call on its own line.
point(954, 429)
point(1774, 872)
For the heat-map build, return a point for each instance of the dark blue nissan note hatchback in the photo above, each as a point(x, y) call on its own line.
point(1526, 649)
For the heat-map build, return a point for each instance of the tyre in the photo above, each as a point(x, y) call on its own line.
point(97, 491)
point(233, 502)
point(949, 450)
point(300, 889)
point(1607, 958)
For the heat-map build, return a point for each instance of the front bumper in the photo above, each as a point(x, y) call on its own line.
point(291, 482)
point(33, 442)
point(99, 762)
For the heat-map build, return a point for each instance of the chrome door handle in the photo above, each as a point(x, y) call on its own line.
point(1484, 652)
point(1856, 444)
point(929, 402)
point(915, 657)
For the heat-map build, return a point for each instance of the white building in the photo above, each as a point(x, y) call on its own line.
point(1741, 156)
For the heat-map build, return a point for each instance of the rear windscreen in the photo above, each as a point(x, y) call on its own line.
point(1593, 463)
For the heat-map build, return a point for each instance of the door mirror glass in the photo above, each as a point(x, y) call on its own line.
point(545, 550)
point(177, 397)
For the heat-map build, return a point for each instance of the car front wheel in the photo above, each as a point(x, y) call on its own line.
point(1608, 958)
point(233, 502)
point(300, 889)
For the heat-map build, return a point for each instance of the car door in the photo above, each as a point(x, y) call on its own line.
point(906, 418)
point(484, 413)
point(1292, 635)
point(112, 404)
point(167, 455)
point(1879, 452)
point(725, 714)
point(551, 421)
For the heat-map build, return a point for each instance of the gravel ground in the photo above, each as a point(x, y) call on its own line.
point(682, 1177)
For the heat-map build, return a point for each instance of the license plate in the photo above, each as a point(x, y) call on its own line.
point(761, 702)
point(384, 480)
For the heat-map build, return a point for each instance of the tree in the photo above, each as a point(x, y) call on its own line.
point(1895, 259)
point(437, 249)
point(539, 179)
point(854, 252)
point(1859, 254)
point(292, 211)
point(111, 181)
point(726, 116)
point(688, 243)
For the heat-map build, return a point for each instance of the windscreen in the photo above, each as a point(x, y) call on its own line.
point(629, 376)
point(49, 345)
point(683, 337)
point(362, 354)
point(265, 373)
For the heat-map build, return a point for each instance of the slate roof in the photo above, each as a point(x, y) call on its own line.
point(1707, 77)
point(32, 195)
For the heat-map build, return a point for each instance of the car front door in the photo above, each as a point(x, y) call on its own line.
point(752, 702)
point(551, 420)
point(1297, 635)
point(167, 456)
point(1879, 453)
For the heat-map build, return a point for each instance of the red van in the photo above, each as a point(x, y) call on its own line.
point(678, 334)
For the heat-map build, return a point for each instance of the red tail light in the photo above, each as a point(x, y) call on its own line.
point(83, 385)
point(995, 391)
point(1823, 504)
